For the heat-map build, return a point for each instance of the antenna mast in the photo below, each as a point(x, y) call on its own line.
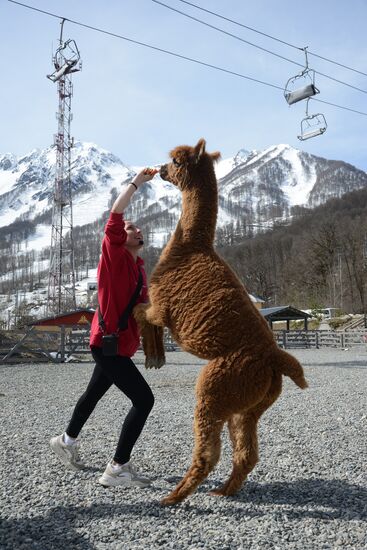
point(61, 281)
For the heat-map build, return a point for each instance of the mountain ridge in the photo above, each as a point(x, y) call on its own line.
point(256, 188)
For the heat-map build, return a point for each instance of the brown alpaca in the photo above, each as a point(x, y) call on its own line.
point(198, 297)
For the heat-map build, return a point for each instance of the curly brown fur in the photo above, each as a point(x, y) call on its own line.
point(209, 313)
point(152, 337)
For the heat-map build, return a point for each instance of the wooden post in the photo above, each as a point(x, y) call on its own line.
point(62, 343)
point(17, 345)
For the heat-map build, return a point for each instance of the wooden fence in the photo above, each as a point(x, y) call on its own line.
point(72, 345)
point(67, 344)
point(320, 338)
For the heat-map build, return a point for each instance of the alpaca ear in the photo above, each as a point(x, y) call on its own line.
point(199, 149)
point(215, 156)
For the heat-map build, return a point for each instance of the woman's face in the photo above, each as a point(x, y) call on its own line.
point(134, 235)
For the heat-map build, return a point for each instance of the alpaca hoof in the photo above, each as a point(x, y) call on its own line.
point(216, 493)
point(223, 492)
point(169, 500)
point(161, 361)
point(154, 362)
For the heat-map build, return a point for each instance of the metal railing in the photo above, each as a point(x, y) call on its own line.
point(72, 344)
point(67, 344)
point(320, 338)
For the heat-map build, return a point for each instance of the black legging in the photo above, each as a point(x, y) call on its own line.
point(122, 372)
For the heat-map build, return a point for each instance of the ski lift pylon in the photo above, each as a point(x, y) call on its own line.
point(293, 92)
point(312, 125)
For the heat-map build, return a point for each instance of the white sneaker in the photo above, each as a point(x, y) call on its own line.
point(124, 476)
point(68, 454)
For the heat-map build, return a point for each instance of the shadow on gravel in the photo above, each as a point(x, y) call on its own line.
point(57, 530)
point(309, 498)
point(53, 531)
point(326, 499)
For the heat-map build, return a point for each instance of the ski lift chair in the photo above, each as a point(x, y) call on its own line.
point(312, 125)
point(301, 86)
point(66, 58)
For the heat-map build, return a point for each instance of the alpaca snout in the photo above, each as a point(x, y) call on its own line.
point(163, 172)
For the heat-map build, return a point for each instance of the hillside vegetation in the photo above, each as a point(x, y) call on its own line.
point(317, 260)
point(320, 259)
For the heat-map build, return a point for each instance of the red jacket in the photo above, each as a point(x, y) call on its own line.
point(117, 277)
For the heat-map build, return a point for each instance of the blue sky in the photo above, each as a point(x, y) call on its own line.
point(139, 103)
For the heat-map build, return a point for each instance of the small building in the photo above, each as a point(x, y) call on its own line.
point(258, 302)
point(285, 313)
point(56, 337)
point(69, 319)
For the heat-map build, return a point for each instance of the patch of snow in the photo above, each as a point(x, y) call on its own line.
point(224, 167)
point(41, 239)
point(8, 180)
point(299, 184)
point(270, 153)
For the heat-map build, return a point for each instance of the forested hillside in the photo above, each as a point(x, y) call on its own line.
point(320, 259)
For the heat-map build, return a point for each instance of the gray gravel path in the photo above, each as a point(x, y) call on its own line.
point(309, 490)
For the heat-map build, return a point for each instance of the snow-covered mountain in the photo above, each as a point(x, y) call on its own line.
point(256, 188)
point(265, 185)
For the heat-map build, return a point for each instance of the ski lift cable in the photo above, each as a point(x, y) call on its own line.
point(220, 30)
point(255, 45)
point(228, 71)
point(225, 32)
point(168, 52)
point(339, 106)
point(271, 37)
point(337, 63)
point(238, 23)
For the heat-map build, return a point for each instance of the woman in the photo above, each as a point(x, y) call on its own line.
point(118, 277)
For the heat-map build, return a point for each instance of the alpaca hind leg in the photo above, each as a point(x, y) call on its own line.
point(152, 338)
point(206, 454)
point(243, 432)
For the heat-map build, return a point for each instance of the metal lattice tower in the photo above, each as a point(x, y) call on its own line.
point(61, 282)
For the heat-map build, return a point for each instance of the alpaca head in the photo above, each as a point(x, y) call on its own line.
point(189, 165)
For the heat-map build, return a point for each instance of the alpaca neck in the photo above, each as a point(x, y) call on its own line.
point(199, 216)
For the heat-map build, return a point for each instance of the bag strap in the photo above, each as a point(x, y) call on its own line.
point(101, 322)
point(124, 319)
point(123, 322)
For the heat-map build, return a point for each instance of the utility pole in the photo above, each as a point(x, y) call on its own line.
point(365, 269)
point(61, 282)
point(340, 269)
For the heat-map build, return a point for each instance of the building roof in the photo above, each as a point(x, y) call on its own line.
point(256, 299)
point(69, 318)
point(284, 313)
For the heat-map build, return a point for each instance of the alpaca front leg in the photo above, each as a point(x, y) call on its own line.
point(153, 347)
point(152, 338)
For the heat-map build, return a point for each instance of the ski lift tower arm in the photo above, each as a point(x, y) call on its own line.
point(65, 61)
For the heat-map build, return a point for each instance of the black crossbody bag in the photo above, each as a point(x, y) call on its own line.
point(110, 341)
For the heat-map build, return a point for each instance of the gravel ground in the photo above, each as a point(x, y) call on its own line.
point(307, 492)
